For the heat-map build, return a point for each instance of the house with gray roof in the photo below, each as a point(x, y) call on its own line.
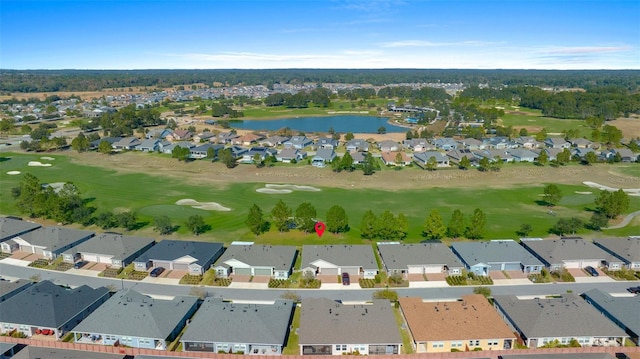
point(49, 242)
point(113, 249)
point(446, 143)
point(251, 259)
point(419, 258)
point(623, 311)
point(192, 256)
point(240, 328)
point(168, 149)
point(45, 308)
point(203, 150)
point(159, 133)
point(132, 319)
point(273, 141)
point(126, 143)
point(12, 227)
point(522, 155)
point(298, 142)
point(569, 253)
point(389, 146)
point(149, 145)
point(556, 142)
point(322, 157)
point(10, 288)
point(625, 249)
point(288, 155)
point(484, 257)
point(335, 259)
point(328, 327)
point(327, 142)
point(422, 158)
point(357, 145)
point(34, 352)
point(541, 321)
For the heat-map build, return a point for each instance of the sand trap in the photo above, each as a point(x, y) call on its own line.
point(579, 192)
point(207, 206)
point(38, 164)
point(57, 186)
point(47, 158)
point(273, 191)
point(13, 173)
point(629, 191)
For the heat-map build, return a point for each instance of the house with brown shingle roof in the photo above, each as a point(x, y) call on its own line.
point(247, 139)
point(389, 158)
point(465, 325)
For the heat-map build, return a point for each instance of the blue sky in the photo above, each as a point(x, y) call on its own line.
point(257, 34)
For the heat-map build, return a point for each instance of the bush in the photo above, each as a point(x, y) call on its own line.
point(563, 275)
point(391, 295)
point(191, 279)
point(367, 283)
point(454, 280)
point(222, 282)
point(278, 283)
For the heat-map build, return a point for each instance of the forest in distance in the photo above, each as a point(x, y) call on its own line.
point(27, 81)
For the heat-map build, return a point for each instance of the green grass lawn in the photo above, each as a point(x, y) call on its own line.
point(552, 125)
point(267, 113)
point(151, 195)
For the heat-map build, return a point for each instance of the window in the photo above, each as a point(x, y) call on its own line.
point(437, 345)
point(338, 347)
point(344, 347)
point(456, 344)
point(565, 340)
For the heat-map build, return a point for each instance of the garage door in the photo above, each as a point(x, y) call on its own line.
point(90, 257)
point(164, 264)
point(415, 270)
point(25, 248)
point(181, 266)
point(351, 270)
point(512, 266)
point(262, 271)
point(329, 271)
point(432, 269)
point(572, 264)
point(594, 264)
point(242, 271)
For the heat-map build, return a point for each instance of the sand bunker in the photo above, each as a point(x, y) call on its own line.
point(629, 191)
point(47, 158)
point(285, 188)
point(13, 173)
point(57, 186)
point(38, 164)
point(579, 192)
point(207, 206)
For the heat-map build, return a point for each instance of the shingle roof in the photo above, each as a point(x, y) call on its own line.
point(131, 313)
point(626, 249)
point(219, 321)
point(169, 250)
point(324, 321)
point(113, 244)
point(48, 305)
point(568, 316)
point(400, 256)
point(278, 257)
point(54, 238)
point(471, 318)
point(558, 250)
point(340, 254)
point(494, 252)
point(9, 289)
point(10, 227)
point(32, 352)
point(624, 309)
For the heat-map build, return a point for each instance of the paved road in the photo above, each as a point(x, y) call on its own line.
point(626, 220)
point(346, 295)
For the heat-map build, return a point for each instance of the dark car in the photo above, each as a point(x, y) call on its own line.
point(634, 290)
point(157, 271)
point(345, 279)
point(80, 264)
point(592, 271)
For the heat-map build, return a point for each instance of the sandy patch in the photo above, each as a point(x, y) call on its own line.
point(629, 191)
point(273, 191)
point(57, 186)
point(293, 187)
point(579, 192)
point(47, 158)
point(13, 173)
point(207, 206)
point(38, 164)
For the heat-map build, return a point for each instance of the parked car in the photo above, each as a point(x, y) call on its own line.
point(634, 290)
point(79, 264)
point(592, 271)
point(157, 271)
point(345, 279)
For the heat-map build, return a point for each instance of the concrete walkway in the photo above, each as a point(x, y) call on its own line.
point(429, 284)
point(16, 262)
point(625, 221)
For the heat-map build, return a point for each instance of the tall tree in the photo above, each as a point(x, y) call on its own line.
point(484, 164)
point(612, 204)
point(337, 220)
point(563, 157)
point(227, 158)
point(181, 153)
point(306, 217)
point(281, 215)
point(464, 163)
point(347, 162)
point(255, 220)
point(163, 225)
point(478, 220)
point(552, 194)
point(402, 226)
point(80, 143)
point(434, 227)
point(127, 220)
point(368, 226)
point(455, 228)
point(543, 158)
point(196, 224)
point(104, 147)
point(432, 164)
point(368, 167)
point(386, 228)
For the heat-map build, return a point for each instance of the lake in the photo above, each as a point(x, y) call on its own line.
point(342, 124)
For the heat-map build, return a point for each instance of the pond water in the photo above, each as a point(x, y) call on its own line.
point(342, 124)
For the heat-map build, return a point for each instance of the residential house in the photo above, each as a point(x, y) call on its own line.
point(419, 258)
point(581, 153)
point(126, 143)
point(464, 325)
point(527, 142)
point(358, 157)
point(422, 158)
point(204, 137)
point(492, 155)
point(180, 135)
point(446, 144)
point(159, 133)
point(49, 242)
point(499, 143)
point(522, 155)
point(13, 227)
point(626, 250)
point(622, 311)
point(322, 157)
point(112, 249)
point(262, 152)
point(250, 329)
point(389, 146)
point(288, 155)
point(168, 149)
point(93, 145)
point(556, 142)
point(542, 321)
point(471, 144)
point(357, 145)
point(457, 155)
point(10, 288)
point(570, 253)
point(328, 327)
point(552, 153)
point(238, 152)
point(47, 309)
point(273, 141)
point(149, 145)
point(247, 139)
point(484, 257)
point(246, 258)
point(34, 352)
point(298, 142)
point(202, 151)
point(194, 257)
point(225, 137)
point(135, 320)
point(327, 142)
point(390, 158)
point(624, 154)
point(581, 143)
point(357, 260)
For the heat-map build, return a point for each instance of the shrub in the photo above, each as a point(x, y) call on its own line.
point(391, 295)
point(278, 283)
point(456, 280)
point(367, 283)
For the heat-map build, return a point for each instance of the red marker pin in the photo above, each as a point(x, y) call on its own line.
point(320, 227)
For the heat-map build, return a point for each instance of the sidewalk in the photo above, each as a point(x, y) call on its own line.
point(429, 284)
point(16, 262)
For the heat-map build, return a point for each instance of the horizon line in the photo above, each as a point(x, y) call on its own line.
point(320, 68)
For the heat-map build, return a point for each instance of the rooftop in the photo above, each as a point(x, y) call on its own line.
point(555, 251)
point(400, 256)
point(339, 255)
point(494, 251)
point(278, 257)
point(624, 309)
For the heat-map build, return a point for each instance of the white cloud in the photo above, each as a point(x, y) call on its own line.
point(425, 43)
point(575, 50)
